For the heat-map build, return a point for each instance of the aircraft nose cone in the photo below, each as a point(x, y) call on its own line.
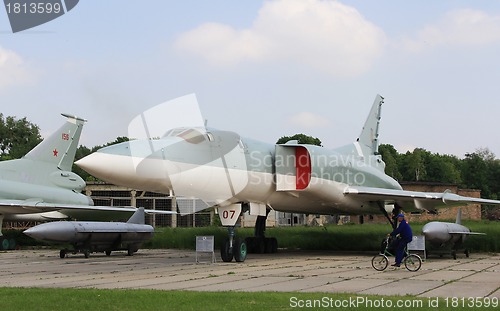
point(117, 165)
point(112, 168)
point(94, 164)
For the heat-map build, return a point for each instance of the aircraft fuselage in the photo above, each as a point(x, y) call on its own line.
point(18, 183)
point(222, 168)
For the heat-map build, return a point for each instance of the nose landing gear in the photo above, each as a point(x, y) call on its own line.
point(233, 248)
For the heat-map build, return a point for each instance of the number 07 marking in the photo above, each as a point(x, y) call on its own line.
point(228, 214)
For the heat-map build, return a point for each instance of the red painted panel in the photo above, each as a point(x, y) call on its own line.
point(303, 167)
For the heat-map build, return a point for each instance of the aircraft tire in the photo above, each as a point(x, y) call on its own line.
point(108, 253)
point(250, 244)
point(271, 245)
point(260, 245)
point(62, 253)
point(4, 244)
point(240, 250)
point(274, 247)
point(12, 244)
point(226, 253)
point(86, 253)
point(380, 262)
point(268, 247)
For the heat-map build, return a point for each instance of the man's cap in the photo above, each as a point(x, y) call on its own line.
point(401, 215)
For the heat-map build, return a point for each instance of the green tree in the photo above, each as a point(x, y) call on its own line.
point(392, 160)
point(443, 168)
point(414, 165)
point(81, 152)
point(17, 137)
point(475, 173)
point(301, 138)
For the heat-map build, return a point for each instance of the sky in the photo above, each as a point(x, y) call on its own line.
point(266, 69)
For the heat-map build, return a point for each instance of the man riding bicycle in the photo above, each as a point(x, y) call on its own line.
point(405, 237)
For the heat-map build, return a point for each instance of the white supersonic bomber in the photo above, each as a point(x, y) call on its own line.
point(235, 174)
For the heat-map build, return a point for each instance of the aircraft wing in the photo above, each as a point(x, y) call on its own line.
point(468, 233)
point(33, 206)
point(413, 200)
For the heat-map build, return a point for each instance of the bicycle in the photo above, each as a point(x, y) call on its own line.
point(412, 262)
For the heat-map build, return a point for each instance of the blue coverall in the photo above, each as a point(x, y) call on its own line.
point(406, 235)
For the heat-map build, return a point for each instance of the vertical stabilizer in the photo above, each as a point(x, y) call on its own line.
point(60, 147)
point(368, 139)
point(459, 216)
point(137, 217)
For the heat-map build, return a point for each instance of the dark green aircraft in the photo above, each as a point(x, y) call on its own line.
point(41, 186)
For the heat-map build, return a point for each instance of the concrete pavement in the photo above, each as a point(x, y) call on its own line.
point(290, 271)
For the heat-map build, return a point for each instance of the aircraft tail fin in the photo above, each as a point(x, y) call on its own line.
point(60, 147)
point(459, 216)
point(137, 217)
point(368, 139)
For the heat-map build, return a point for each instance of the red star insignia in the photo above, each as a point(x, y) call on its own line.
point(55, 152)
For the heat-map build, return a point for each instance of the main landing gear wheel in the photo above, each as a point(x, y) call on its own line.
point(380, 262)
point(271, 245)
point(108, 253)
point(4, 243)
point(62, 253)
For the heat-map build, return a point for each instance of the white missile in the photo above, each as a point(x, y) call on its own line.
point(447, 234)
point(92, 236)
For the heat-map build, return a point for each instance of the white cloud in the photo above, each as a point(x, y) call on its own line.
point(12, 69)
point(326, 35)
point(464, 27)
point(308, 120)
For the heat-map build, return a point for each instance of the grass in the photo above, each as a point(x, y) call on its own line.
point(103, 299)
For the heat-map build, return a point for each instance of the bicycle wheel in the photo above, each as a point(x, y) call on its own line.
point(380, 262)
point(413, 262)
